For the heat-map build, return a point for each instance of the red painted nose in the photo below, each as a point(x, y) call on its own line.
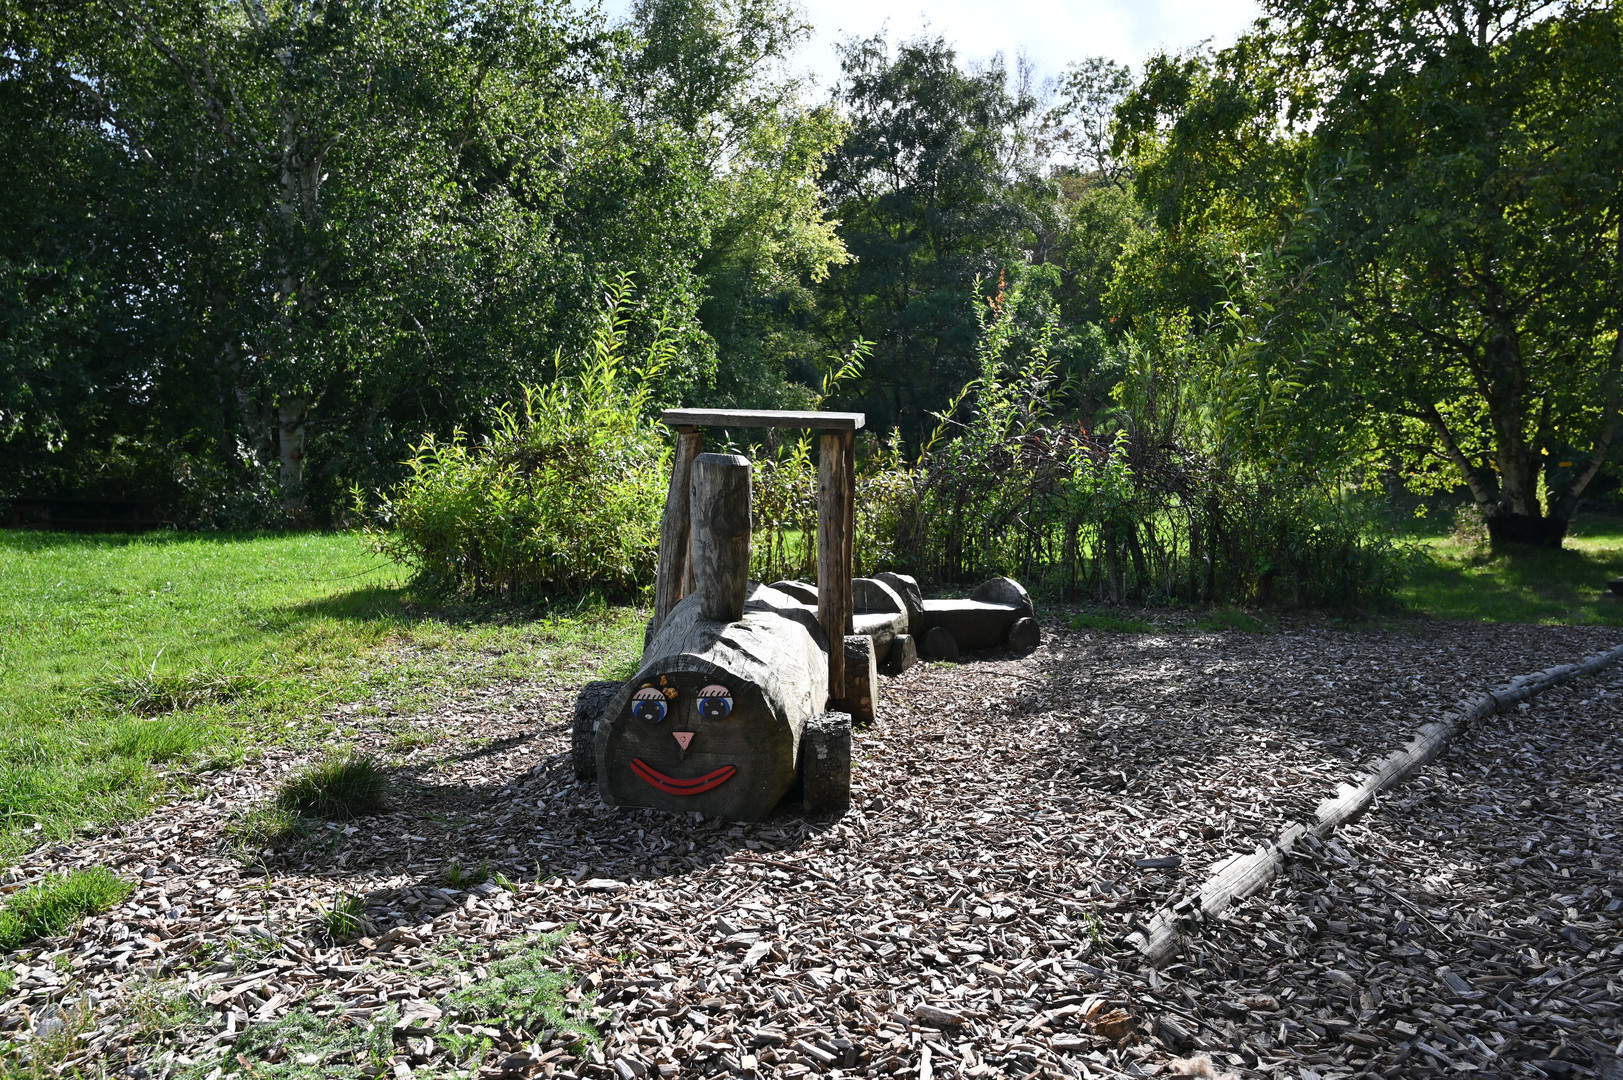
point(682, 738)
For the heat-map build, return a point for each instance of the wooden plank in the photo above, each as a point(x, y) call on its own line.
point(671, 577)
point(762, 418)
point(721, 534)
point(833, 552)
point(848, 526)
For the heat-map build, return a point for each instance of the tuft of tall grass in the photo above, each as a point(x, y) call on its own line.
point(342, 786)
point(144, 689)
point(52, 906)
point(346, 919)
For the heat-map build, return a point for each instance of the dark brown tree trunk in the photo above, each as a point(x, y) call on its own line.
point(1528, 530)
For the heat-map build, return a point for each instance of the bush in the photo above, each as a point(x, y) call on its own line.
point(1155, 511)
point(564, 497)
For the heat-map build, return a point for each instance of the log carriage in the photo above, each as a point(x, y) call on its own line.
point(739, 696)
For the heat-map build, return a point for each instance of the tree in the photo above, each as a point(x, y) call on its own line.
point(277, 241)
point(1433, 195)
point(711, 75)
point(925, 187)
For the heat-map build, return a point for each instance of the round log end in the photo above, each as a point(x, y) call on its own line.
point(1025, 635)
point(593, 699)
point(939, 644)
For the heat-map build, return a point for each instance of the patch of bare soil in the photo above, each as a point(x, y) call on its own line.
point(1014, 819)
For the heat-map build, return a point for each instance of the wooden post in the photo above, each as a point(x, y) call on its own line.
point(670, 581)
point(720, 505)
point(834, 505)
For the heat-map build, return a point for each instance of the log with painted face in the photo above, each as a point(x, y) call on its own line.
point(712, 721)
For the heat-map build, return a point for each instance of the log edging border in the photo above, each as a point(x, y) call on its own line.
point(1245, 875)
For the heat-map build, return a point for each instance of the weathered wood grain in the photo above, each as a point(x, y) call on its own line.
point(773, 663)
point(834, 504)
point(670, 580)
point(762, 418)
point(825, 764)
point(720, 502)
point(861, 698)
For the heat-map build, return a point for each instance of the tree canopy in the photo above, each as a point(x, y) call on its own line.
point(1407, 216)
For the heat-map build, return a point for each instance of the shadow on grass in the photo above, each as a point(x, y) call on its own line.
point(404, 603)
point(1518, 585)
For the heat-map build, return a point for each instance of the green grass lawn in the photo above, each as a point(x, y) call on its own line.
point(131, 662)
point(1459, 581)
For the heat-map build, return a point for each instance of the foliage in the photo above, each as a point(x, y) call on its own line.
point(50, 907)
point(563, 497)
point(458, 876)
point(1161, 508)
point(1406, 219)
point(524, 990)
point(340, 787)
point(324, 230)
point(304, 1044)
point(924, 188)
point(345, 919)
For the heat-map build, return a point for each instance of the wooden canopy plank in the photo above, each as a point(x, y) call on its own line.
point(760, 418)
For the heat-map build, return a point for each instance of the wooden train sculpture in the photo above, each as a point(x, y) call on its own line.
point(739, 699)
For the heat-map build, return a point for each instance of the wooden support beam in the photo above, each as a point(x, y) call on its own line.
point(721, 534)
point(835, 497)
point(671, 580)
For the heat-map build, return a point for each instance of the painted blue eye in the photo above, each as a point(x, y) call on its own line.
point(648, 704)
point(715, 702)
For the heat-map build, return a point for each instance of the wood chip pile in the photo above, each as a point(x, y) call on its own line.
point(1014, 820)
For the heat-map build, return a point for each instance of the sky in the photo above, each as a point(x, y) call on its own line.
point(1051, 32)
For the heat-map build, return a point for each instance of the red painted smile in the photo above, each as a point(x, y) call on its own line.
point(670, 785)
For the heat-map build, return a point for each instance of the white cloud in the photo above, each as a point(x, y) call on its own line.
point(1051, 32)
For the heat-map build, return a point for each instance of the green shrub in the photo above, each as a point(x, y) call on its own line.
point(563, 497)
point(1154, 510)
point(49, 908)
point(342, 786)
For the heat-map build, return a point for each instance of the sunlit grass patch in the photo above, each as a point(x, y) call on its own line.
point(146, 690)
point(1462, 580)
point(57, 903)
point(1233, 619)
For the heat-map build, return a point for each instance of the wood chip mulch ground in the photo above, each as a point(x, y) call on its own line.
point(1015, 818)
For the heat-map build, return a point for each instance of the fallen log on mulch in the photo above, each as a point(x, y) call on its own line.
point(1245, 875)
